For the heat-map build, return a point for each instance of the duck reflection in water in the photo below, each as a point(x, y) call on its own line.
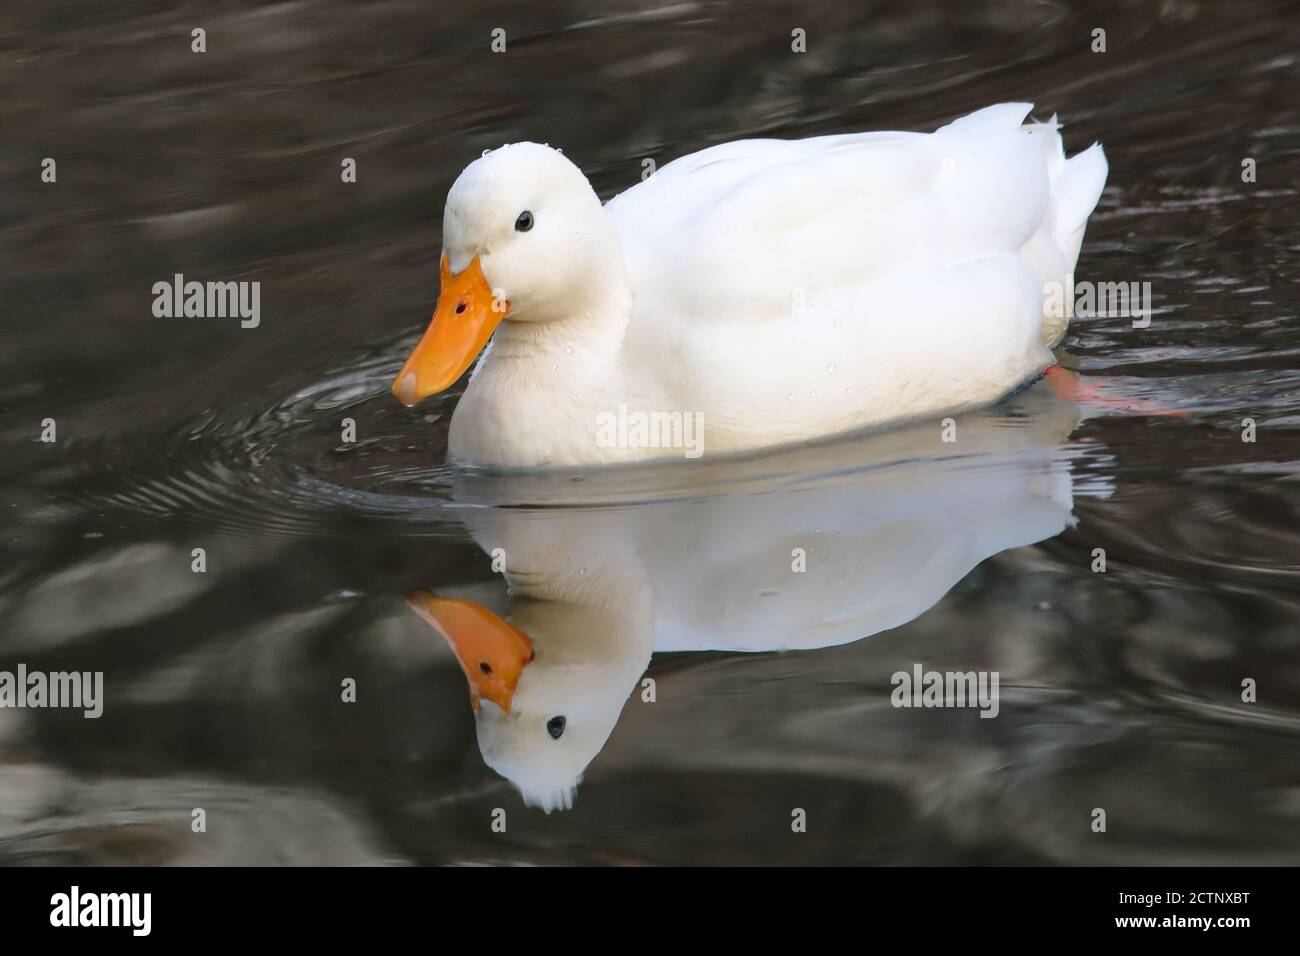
point(793, 551)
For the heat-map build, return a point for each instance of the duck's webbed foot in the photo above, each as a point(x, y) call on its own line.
point(1072, 387)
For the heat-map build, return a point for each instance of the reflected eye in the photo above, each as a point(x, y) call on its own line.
point(555, 727)
point(523, 224)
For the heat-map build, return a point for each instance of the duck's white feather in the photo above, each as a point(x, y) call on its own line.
point(789, 290)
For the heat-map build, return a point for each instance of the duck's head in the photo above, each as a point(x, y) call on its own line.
point(541, 717)
point(524, 238)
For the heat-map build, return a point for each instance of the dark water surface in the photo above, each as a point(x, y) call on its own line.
point(1119, 690)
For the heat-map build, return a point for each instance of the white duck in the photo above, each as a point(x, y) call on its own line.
point(885, 530)
point(778, 290)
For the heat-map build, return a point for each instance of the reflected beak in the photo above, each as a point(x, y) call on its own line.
point(491, 652)
point(466, 316)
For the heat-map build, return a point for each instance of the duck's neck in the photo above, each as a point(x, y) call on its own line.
point(589, 329)
point(537, 374)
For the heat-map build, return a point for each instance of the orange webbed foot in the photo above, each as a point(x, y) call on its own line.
point(1100, 391)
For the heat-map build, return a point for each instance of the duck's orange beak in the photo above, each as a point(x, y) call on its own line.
point(491, 652)
point(466, 316)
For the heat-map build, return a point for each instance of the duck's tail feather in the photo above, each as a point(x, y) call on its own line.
point(1075, 186)
point(1076, 183)
point(1076, 189)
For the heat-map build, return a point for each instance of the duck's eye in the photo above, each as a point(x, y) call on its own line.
point(523, 224)
point(485, 667)
point(555, 727)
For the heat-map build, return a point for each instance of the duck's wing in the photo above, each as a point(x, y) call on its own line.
point(743, 230)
